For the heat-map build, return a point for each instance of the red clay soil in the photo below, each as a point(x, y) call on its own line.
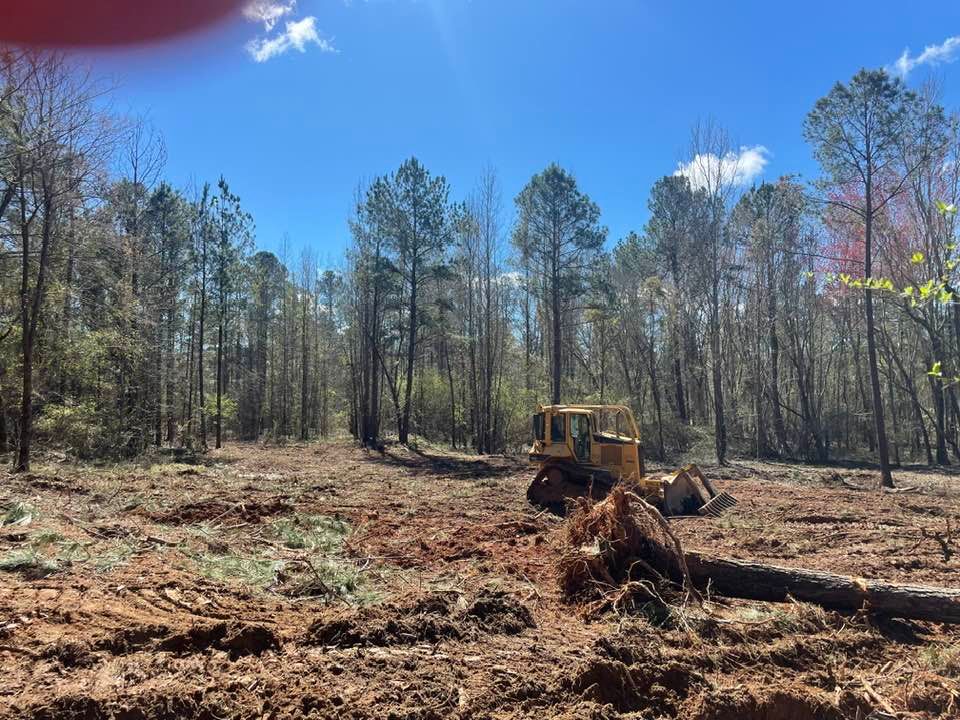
point(121, 597)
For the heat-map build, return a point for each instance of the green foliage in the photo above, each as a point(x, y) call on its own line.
point(518, 405)
point(678, 438)
point(114, 555)
point(931, 291)
point(229, 408)
point(945, 208)
point(942, 659)
point(86, 359)
point(257, 571)
point(18, 513)
point(78, 427)
point(316, 572)
point(29, 562)
point(676, 214)
point(327, 579)
point(48, 551)
point(849, 148)
point(552, 199)
point(45, 537)
point(433, 404)
point(317, 533)
point(411, 207)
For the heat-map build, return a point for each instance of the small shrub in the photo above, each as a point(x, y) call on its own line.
point(327, 579)
point(17, 514)
point(258, 571)
point(317, 533)
point(117, 554)
point(45, 537)
point(76, 427)
point(942, 659)
point(29, 563)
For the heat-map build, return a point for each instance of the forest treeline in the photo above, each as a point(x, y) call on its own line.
point(787, 319)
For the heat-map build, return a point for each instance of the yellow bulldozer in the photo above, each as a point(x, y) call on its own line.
point(582, 450)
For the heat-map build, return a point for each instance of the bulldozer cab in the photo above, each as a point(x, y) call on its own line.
point(600, 441)
point(580, 436)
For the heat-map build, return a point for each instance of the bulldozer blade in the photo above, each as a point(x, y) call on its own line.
point(718, 505)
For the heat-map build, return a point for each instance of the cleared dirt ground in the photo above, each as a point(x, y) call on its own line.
point(325, 581)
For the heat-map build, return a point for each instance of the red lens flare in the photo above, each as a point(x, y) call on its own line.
point(104, 23)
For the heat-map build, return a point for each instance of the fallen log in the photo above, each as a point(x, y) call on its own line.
point(773, 583)
point(623, 542)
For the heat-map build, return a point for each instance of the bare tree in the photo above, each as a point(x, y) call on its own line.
point(201, 231)
point(714, 169)
point(60, 141)
point(308, 283)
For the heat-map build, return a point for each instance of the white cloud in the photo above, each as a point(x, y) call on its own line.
point(298, 35)
point(268, 12)
point(737, 168)
point(511, 278)
point(945, 52)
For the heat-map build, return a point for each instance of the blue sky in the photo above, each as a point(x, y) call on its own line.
point(607, 88)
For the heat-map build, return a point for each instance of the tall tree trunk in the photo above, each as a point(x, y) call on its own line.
point(655, 387)
point(330, 332)
point(190, 370)
point(893, 417)
point(169, 387)
point(939, 425)
point(914, 402)
point(760, 430)
point(556, 358)
point(4, 442)
point(472, 379)
point(719, 421)
point(285, 379)
point(864, 398)
point(30, 305)
point(261, 359)
point(201, 399)
point(779, 428)
point(161, 399)
point(487, 348)
point(404, 430)
point(304, 373)
point(67, 301)
point(219, 438)
point(453, 398)
point(527, 348)
point(22, 462)
point(886, 478)
point(921, 424)
point(682, 413)
point(716, 361)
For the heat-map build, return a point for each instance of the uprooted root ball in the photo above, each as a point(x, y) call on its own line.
point(618, 552)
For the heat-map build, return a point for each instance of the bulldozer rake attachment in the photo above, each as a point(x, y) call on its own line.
point(718, 505)
point(688, 491)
